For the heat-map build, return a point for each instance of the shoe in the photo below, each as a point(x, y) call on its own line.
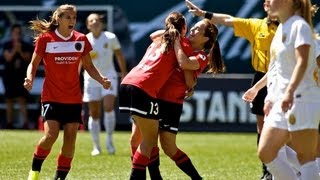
point(267, 176)
point(110, 148)
point(95, 152)
point(33, 175)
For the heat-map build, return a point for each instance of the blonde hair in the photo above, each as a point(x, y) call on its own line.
point(43, 26)
point(305, 9)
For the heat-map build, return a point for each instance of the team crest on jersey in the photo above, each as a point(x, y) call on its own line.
point(292, 119)
point(78, 46)
point(105, 45)
point(203, 57)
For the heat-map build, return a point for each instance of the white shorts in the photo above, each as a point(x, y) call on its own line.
point(302, 115)
point(96, 93)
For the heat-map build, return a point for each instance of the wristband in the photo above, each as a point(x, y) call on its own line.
point(208, 15)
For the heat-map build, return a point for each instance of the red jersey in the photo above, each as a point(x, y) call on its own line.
point(155, 68)
point(174, 90)
point(61, 57)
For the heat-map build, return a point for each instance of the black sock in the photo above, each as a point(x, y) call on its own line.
point(36, 164)
point(188, 168)
point(154, 171)
point(138, 174)
point(61, 175)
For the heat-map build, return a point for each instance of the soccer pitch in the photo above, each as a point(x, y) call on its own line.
point(217, 156)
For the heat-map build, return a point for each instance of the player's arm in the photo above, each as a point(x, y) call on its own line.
point(216, 18)
point(157, 35)
point(121, 62)
point(318, 61)
point(185, 62)
point(93, 72)
point(31, 71)
point(251, 93)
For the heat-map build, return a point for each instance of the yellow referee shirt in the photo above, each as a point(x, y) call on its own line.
point(259, 33)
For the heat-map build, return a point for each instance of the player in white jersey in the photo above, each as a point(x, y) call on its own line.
point(105, 45)
point(293, 101)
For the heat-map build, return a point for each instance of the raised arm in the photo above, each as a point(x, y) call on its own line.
point(216, 18)
point(121, 62)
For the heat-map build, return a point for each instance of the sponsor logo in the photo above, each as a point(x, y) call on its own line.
point(66, 59)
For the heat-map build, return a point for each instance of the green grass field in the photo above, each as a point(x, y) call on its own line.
point(217, 156)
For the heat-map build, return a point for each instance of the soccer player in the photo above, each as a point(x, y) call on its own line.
point(105, 44)
point(61, 48)
point(293, 100)
point(139, 89)
point(259, 32)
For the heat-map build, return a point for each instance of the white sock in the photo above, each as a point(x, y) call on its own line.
point(318, 163)
point(281, 170)
point(109, 121)
point(94, 128)
point(309, 171)
point(292, 158)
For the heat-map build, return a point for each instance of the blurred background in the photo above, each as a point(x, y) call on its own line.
point(216, 104)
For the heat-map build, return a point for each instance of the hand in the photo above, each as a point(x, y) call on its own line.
point(28, 84)
point(267, 107)
point(194, 9)
point(249, 95)
point(106, 83)
point(287, 101)
point(189, 93)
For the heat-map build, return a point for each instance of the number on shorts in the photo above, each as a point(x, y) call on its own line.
point(44, 109)
point(154, 109)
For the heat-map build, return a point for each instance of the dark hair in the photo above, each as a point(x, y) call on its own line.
point(14, 26)
point(212, 47)
point(174, 24)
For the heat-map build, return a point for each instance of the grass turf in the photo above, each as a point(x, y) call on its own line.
point(217, 156)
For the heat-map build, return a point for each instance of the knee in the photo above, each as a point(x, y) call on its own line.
point(305, 157)
point(50, 138)
point(266, 155)
point(168, 148)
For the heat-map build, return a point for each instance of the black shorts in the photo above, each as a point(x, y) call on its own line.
point(257, 104)
point(170, 116)
point(63, 113)
point(135, 101)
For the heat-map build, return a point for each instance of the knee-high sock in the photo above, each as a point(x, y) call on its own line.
point(94, 128)
point(318, 163)
point(154, 164)
point(184, 163)
point(309, 171)
point(39, 156)
point(139, 164)
point(281, 170)
point(109, 124)
point(63, 167)
point(292, 158)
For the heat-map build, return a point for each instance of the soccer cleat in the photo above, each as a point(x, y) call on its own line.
point(95, 152)
point(33, 175)
point(267, 176)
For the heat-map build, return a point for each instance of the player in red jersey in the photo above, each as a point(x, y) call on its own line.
point(139, 89)
point(61, 48)
point(203, 39)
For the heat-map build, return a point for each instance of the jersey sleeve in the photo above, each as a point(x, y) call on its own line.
point(186, 47)
point(304, 34)
point(115, 43)
point(87, 46)
point(202, 59)
point(40, 46)
point(246, 28)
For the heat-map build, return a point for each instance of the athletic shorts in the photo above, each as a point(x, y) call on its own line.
point(257, 104)
point(170, 116)
point(135, 101)
point(301, 116)
point(96, 93)
point(63, 113)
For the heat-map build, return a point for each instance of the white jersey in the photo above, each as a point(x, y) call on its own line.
point(102, 55)
point(318, 47)
point(289, 36)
